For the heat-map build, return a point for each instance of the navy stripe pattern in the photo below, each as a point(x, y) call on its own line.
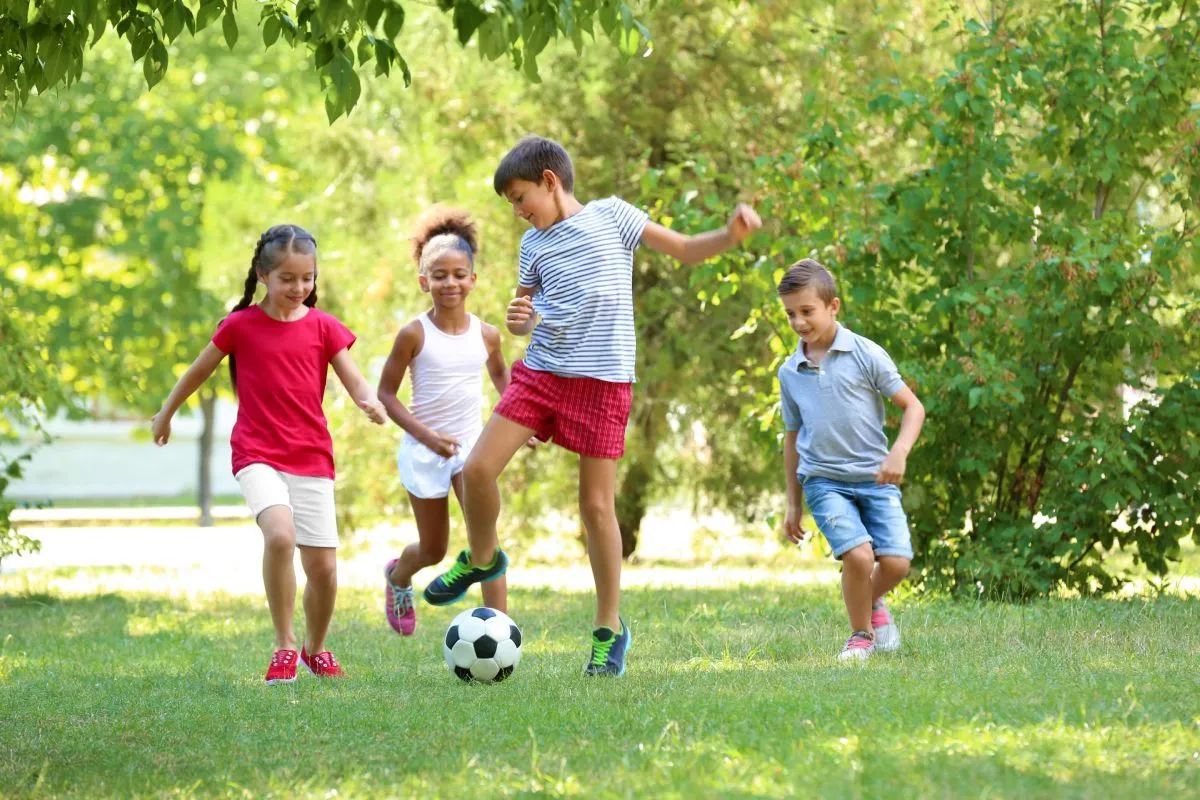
point(581, 271)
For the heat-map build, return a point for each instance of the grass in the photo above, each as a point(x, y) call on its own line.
point(730, 693)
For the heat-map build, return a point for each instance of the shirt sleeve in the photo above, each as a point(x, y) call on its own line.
point(884, 373)
point(225, 338)
point(337, 337)
point(792, 421)
point(630, 221)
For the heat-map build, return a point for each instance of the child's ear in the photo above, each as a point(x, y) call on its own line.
point(550, 179)
point(835, 305)
point(424, 281)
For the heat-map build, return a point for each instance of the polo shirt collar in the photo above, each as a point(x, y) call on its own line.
point(843, 341)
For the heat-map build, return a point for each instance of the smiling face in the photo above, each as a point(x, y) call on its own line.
point(449, 279)
point(289, 283)
point(536, 203)
point(809, 315)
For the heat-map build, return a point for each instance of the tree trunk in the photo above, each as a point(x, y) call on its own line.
point(208, 407)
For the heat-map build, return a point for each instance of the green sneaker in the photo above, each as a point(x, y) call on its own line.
point(609, 649)
point(451, 585)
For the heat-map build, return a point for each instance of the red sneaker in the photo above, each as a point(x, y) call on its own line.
point(323, 665)
point(283, 667)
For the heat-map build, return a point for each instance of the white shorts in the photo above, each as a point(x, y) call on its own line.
point(424, 473)
point(309, 499)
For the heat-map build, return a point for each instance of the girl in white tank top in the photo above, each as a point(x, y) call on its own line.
point(446, 350)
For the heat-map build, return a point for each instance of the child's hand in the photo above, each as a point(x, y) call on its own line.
point(793, 527)
point(534, 443)
point(520, 312)
point(160, 428)
point(892, 469)
point(743, 222)
point(443, 444)
point(374, 410)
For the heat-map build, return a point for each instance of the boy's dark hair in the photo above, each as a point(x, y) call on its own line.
point(273, 248)
point(809, 273)
point(529, 158)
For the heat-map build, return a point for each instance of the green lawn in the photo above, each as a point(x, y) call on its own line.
point(729, 694)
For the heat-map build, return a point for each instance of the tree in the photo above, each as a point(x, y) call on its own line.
point(1032, 272)
point(727, 82)
point(43, 44)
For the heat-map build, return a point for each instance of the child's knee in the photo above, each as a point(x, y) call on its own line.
point(280, 538)
point(477, 470)
point(896, 565)
point(859, 559)
point(596, 510)
point(431, 554)
point(321, 571)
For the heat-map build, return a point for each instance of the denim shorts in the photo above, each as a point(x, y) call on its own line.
point(850, 514)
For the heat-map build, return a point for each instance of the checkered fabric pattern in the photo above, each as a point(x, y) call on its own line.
point(584, 415)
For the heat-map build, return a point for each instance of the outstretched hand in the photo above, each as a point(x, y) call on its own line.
point(743, 222)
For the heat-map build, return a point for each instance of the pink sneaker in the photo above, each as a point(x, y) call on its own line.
point(283, 667)
point(398, 602)
point(858, 647)
point(323, 664)
point(887, 634)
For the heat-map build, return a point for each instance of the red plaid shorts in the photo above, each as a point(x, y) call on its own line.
point(585, 415)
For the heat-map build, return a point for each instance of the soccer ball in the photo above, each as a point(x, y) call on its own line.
point(482, 644)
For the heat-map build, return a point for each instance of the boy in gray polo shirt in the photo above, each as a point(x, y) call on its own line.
point(836, 453)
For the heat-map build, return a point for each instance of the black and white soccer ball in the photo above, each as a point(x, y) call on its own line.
point(482, 644)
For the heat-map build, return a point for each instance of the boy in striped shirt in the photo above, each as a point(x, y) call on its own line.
point(575, 296)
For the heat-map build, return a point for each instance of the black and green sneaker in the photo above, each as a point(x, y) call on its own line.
point(450, 586)
point(609, 649)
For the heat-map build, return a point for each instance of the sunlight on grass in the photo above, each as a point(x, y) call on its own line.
point(730, 692)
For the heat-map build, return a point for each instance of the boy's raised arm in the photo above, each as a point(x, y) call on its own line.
point(694, 249)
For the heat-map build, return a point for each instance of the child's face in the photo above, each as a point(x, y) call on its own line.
point(449, 279)
point(809, 315)
point(534, 202)
point(291, 282)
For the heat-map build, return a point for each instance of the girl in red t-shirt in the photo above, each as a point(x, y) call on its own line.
point(282, 452)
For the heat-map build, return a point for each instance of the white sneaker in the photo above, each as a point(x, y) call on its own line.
point(887, 633)
point(858, 647)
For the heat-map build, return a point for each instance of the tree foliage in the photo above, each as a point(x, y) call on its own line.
point(43, 43)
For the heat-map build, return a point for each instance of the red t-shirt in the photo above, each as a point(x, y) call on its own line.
point(281, 372)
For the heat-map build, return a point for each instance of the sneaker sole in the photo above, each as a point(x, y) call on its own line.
point(442, 601)
point(274, 681)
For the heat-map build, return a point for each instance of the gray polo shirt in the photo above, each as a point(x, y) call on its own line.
point(837, 407)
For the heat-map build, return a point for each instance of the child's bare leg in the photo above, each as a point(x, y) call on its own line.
point(887, 575)
point(497, 444)
point(495, 593)
point(320, 568)
point(279, 572)
point(857, 564)
point(433, 535)
point(597, 507)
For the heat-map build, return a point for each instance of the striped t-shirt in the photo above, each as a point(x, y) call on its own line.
point(581, 271)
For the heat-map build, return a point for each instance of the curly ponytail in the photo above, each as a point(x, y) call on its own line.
point(441, 229)
point(273, 247)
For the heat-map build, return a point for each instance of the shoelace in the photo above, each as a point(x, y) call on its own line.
point(880, 617)
point(859, 641)
point(326, 660)
point(600, 650)
point(456, 571)
point(403, 600)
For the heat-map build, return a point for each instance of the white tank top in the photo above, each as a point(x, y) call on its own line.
point(447, 379)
